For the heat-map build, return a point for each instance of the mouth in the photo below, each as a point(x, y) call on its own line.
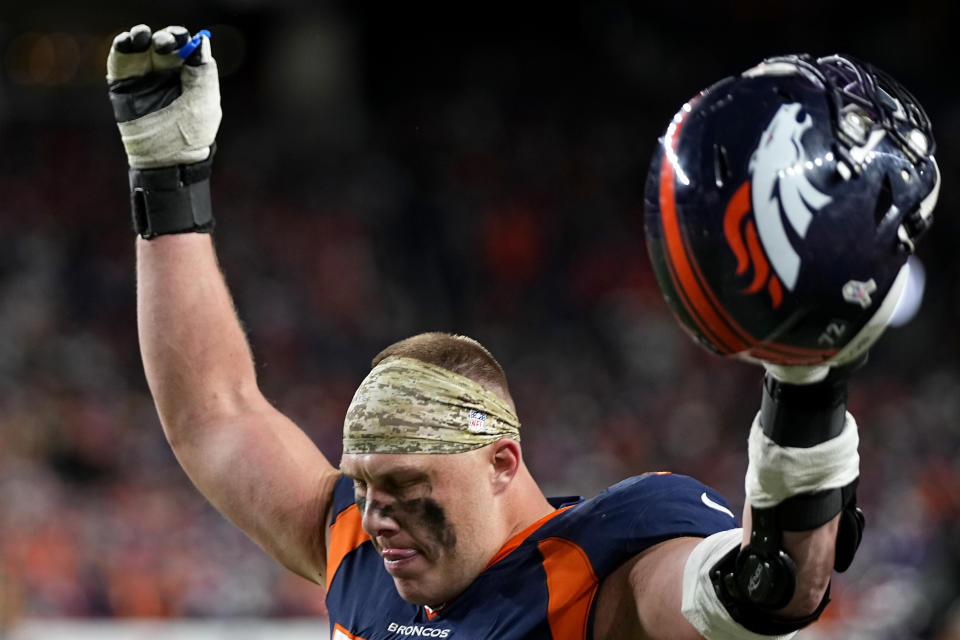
point(399, 560)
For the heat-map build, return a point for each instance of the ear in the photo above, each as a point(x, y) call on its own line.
point(505, 459)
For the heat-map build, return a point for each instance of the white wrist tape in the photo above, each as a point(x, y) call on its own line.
point(776, 473)
point(181, 132)
point(701, 606)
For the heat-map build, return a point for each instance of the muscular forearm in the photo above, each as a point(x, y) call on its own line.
point(195, 355)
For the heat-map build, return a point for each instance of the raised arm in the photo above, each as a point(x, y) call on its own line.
point(800, 523)
point(643, 599)
point(251, 462)
point(762, 225)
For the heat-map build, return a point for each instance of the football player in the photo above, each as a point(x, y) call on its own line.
point(432, 526)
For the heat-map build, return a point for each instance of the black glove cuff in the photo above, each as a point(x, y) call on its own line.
point(172, 199)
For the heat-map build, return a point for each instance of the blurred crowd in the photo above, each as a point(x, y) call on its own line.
point(508, 213)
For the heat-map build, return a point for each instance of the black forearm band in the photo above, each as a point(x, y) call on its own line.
point(172, 199)
point(810, 510)
point(803, 415)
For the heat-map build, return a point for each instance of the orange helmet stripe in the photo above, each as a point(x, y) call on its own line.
point(685, 280)
point(697, 298)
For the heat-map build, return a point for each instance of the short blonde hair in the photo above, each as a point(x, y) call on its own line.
point(456, 353)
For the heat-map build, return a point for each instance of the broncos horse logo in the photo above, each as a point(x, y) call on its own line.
point(778, 190)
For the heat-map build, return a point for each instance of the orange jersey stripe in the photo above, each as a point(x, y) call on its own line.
point(339, 633)
point(518, 539)
point(346, 534)
point(571, 587)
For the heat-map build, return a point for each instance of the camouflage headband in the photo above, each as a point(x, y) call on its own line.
point(406, 405)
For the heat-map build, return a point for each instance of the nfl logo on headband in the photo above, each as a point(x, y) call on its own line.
point(478, 422)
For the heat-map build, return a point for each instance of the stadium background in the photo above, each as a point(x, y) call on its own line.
point(385, 170)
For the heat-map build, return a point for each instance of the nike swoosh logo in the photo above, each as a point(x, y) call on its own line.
point(705, 499)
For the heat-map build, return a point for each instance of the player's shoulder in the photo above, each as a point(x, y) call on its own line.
point(659, 488)
point(652, 506)
point(638, 513)
point(655, 480)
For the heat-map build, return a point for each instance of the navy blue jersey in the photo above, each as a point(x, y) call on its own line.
point(540, 586)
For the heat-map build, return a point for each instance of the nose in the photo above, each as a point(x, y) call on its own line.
point(376, 515)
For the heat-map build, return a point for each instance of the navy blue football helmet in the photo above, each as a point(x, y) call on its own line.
point(782, 205)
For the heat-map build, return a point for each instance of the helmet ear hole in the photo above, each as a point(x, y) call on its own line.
point(884, 201)
point(721, 166)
